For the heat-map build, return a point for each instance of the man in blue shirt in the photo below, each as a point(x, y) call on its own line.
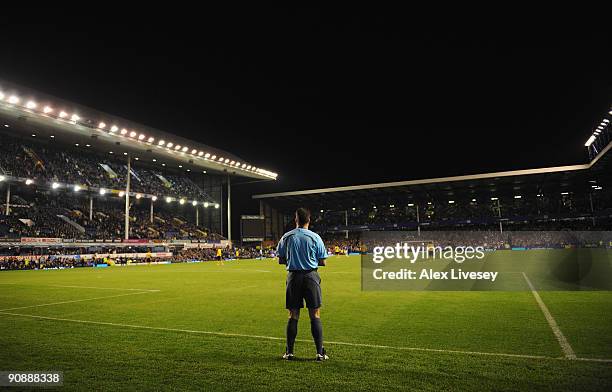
point(303, 251)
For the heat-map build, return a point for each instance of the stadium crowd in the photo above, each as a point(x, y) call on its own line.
point(45, 163)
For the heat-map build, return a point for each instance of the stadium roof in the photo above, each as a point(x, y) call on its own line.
point(587, 177)
point(29, 112)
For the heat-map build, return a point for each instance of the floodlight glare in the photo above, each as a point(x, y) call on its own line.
point(132, 134)
point(194, 203)
point(207, 155)
point(124, 131)
point(2, 178)
point(1, 95)
point(213, 157)
point(76, 188)
point(121, 194)
point(194, 151)
point(205, 204)
point(227, 160)
point(182, 201)
point(31, 105)
point(47, 109)
point(141, 137)
point(410, 205)
point(185, 149)
point(114, 128)
point(169, 145)
point(74, 117)
point(102, 191)
point(177, 147)
point(589, 141)
point(168, 199)
point(151, 140)
point(200, 153)
point(102, 125)
point(451, 202)
point(518, 196)
point(63, 114)
point(161, 143)
point(13, 99)
point(138, 196)
point(55, 185)
point(216, 205)
point(29, 182)
point(154, 198)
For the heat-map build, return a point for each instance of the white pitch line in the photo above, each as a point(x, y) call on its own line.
point(565, 346)
point(103, 288)
point(81, 287)
point(240, 335)
point(73, 301)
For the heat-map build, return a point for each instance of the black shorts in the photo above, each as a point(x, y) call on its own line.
point(303, 286)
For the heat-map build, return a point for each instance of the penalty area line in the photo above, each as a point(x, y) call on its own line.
point(567, 349)
point(281, 339)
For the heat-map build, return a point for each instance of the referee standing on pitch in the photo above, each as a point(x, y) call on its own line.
point(303, 251)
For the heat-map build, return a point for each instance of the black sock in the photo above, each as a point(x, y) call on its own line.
point(291, 334)
point(316, 327)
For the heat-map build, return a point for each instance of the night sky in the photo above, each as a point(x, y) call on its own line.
point(333, 99)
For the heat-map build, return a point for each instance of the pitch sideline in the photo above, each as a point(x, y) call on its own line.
point(567, 349)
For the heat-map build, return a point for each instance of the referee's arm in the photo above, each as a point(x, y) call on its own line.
point(281, 252)
point(321, 252)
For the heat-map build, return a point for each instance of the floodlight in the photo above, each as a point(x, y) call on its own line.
point(451, 202)
point(63, 114)
point(2, 178)
point(227, 160)
point(169, 145)
point(102, 191)
point(177, 147)
point(207, 155)
point(76, 188)
point(410, 205)
point(31, 105)
point(47, 109)
point(114, 128)
point(200, 153)
point(102, 125)
point(194, 151)
point(124, 131)
point(151, 139)
point(141, 137)
point(216, 205)
point(589, 141)
point(161, 143)
point(138, 196)
point(194, 203)
point(518, 196)
point(121, 194)
point(168, 199)
point(133, 134)
point(231, 163)
point(13, 99)
point(182, 201)
point(474, 200)
point(154, 198)
point(55, 185)
point(185, 149)
point(1, 95)
point(494, 198)
point(213, 157)
point(29, 182)
point(74, 117)
point(205, 204)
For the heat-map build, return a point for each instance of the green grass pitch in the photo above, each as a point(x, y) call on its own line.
point(211, 327)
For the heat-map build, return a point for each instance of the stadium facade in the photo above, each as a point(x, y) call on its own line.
point(550, 198)
point(68, 166)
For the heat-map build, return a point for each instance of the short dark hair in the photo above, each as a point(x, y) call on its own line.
point(302, 216)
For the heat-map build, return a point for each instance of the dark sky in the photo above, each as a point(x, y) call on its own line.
point(332, 99)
